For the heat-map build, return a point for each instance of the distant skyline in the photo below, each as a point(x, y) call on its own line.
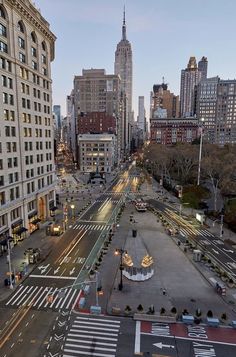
point(163, 35)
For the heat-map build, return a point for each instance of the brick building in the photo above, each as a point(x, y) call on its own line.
point(96, 122)
point(172, 131)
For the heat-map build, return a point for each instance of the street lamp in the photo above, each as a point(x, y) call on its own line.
point(120, 252)
point(200, 152)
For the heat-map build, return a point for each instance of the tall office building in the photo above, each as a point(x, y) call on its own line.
point(216, 103)
point(190, 77)
point(27, 174)
point(97, 104)
point(58, 117)
point(124, 68)
point(205, 105)
point(141, 114)
point(163, 101)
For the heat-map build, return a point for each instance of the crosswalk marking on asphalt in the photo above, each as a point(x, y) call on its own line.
point(92, 336)
point(37, 297)
point(93, 227)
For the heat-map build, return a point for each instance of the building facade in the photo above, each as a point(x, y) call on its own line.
point(172, 131)
point(124, 69)
point(27, 173)
point(190, 77)
point(97, 152)
point(163, 100)
point(98, 92)
point(216, 104)
point(96, 123)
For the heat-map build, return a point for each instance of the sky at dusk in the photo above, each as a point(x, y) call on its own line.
point(163, 35)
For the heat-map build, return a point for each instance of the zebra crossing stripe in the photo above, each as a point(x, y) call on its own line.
point(83, 353)
point(26, 287)
point(66, 297)
point(67, 306)
point(59, 301)
point(51, 292)
point(86, 341)
point(95, 324)
point(30, 295)
point(45, 290)
point(95, 327)
point(89, 347)
point(21, 287)
point(92, 336)
point(37, 293)
point(93, 332)
point(97, 319)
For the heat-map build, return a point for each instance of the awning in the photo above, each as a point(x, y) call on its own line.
point(36, 220)
point(17, 223)
point(21, 230)
point(54, 208)
point(32, 214)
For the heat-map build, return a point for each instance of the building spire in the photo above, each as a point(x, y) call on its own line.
point(124, 27)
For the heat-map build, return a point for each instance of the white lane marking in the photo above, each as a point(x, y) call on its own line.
point(76, 299)
point(92, 336)
point(93, 332)
point(67, 306)
point(73, 247)
point(137, 337)
point(55, 297)
point(52, 277)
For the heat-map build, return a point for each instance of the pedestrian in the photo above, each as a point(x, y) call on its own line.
point(164, 291)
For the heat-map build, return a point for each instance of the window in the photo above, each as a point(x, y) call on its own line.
point(11, 99)
point(6, 114)
point(10, 178)
point(1, 180)
point(3, 30)
point(20, 27)
point(22, 57)
point(21, 42)
point(33, 37)
point(3, 47)
point(5, 98)
point(34, 65)
point(44, 59)
point(33, 52)
point(1, 164)
point(44, 71)
point(43, 46)
point(2, 198)
point(4, 81)
point(2, 13)
point(10, 82)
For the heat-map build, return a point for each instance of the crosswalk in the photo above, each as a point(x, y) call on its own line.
point(38, 297)
point(93, 227)
point(195, 232)
point(111, 200)
point(92, 336)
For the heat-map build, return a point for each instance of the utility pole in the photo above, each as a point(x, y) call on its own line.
point(200, 154)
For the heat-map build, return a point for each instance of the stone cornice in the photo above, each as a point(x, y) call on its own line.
point(29, 12)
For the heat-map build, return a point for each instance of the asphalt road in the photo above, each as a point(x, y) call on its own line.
point(181, 340)
point(208, 243)
point(42, 290)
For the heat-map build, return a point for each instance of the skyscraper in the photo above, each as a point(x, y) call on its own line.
point(190, 77)
point(124, 68)
point(27, 172)
point(162, 100)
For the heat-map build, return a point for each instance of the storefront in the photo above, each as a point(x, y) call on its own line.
point(33, 221)
point(18, 231)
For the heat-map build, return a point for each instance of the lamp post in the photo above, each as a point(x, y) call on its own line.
point(200, 153)
point(9, 263)
point(73, 210)
point(121, 252)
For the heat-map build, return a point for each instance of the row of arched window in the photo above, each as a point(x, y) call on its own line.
point(22, 29)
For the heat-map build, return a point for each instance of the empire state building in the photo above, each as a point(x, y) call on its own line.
point(124, 68)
